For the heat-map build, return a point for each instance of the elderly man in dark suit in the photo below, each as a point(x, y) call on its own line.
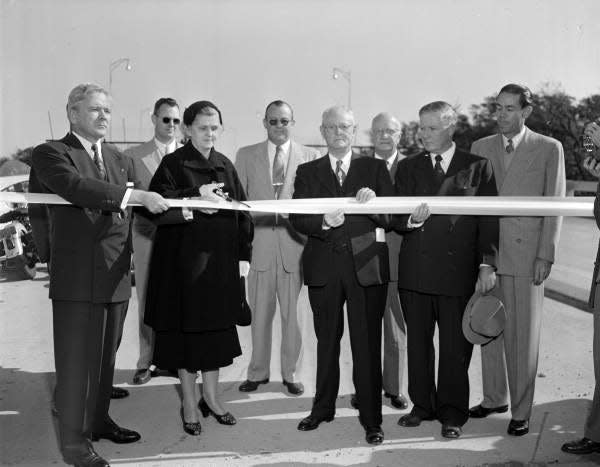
point(345, 261)
point(90, 259)
point(442, 260)
point(146, 159)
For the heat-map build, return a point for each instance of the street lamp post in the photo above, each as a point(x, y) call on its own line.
point(347, 75)
point(112, 67)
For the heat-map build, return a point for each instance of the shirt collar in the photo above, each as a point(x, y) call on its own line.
point(389, 161)
point(166, 148)
point(345, 161)
point(271, 148)
point(515, 139)
point(87, 145)
point(446, 155)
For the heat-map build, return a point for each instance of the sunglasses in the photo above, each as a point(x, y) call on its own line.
point(168, 120)
point(283, 121)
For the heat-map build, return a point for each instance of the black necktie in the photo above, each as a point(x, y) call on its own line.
point(339, 172)
point(278, 172)
point(509, 147)
point(98, 161)
point(437, 168)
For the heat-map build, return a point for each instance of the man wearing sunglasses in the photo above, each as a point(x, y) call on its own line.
point(267, 171)
point(146, 158)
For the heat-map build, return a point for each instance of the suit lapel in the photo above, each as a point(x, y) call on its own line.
point(521, 161)
point(152, 160)
point(263, 171)
point(114, 166)
point(80, 157)
point(325, 175)
point(294, 160)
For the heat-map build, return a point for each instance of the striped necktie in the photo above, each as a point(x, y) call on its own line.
point(339, 172)
point(99, 162)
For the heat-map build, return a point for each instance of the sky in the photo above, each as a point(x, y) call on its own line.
point(242, 54)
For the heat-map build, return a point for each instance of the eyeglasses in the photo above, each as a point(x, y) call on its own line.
point(167, 120)
point(386, 132)
point(342, 127)
point(283, 121)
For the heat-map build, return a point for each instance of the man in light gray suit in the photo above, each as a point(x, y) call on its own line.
point(385, 135)
point(267, 171)
point(525, 163)
point(146, 158)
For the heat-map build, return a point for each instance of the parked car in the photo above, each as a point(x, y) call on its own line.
point(17, 248)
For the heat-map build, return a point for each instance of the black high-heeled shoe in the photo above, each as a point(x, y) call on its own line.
point(225, 419)
point(193, 428)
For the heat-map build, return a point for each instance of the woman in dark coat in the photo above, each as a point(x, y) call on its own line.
point(194, 288)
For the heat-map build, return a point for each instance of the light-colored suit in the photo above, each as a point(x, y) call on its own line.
point(146, 159)
point(537, 169)
point(394, 327)
point(275, 270)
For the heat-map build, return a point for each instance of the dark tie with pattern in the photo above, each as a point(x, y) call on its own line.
point(98, 161)
point(278, 174)
point(339, 172)
point(438, 170)
point(509, 147)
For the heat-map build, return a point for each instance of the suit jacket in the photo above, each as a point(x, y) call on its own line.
point(393, 238)
point(537, 169)
point(146, 158)
point(596, 276)
point(315, 179)
point(442, 256)
point(254, 171)
point(91, 238)
point(39, 217)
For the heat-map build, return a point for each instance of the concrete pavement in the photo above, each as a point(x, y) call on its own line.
point(266, 431)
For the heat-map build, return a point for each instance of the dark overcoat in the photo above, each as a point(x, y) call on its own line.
point(194, 282)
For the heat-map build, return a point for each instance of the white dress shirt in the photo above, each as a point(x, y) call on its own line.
point(285, 155)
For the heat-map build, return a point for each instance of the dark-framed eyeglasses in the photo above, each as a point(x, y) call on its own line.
point(167, 120)
point(282, 121)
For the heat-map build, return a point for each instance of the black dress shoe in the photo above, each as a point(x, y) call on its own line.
point(118, 393)
point(249, 386)
point(225, 419)
point(479, 411)
point(398, 402)
point(451, 431)
point(374, 434)
point(581, 446)
point(295, 389)
point(115, 433)
point(142, 376)
point(411, 420)
point(83, 455)
point(191, 428)
point(518, 427)
point(354, 401)
point(312, 422)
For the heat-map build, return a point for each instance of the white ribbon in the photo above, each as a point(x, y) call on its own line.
point(461, 205)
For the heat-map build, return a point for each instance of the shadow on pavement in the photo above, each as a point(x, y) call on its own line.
point(266, 432)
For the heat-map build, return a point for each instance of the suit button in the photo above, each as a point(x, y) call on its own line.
point(518, 240)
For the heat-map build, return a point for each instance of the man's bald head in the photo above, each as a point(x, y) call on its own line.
point(385, 134)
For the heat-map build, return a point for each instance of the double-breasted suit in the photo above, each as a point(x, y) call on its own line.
point(438, 270)
point(275, 270)
point(89, 284)
point(146, 159)
point(347, 264)
point(537, 168)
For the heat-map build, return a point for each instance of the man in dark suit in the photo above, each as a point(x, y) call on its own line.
point(146, 158)
point(346, 261)
point(590, 442)
point(442, 260)
point(89, 259)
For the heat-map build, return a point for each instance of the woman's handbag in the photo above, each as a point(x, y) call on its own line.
point(245, 314)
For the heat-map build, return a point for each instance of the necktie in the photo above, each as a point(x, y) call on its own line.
point(98, 161)
point(437, 168)
point(509, 147)
point(339, 172)
point(278, 172)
